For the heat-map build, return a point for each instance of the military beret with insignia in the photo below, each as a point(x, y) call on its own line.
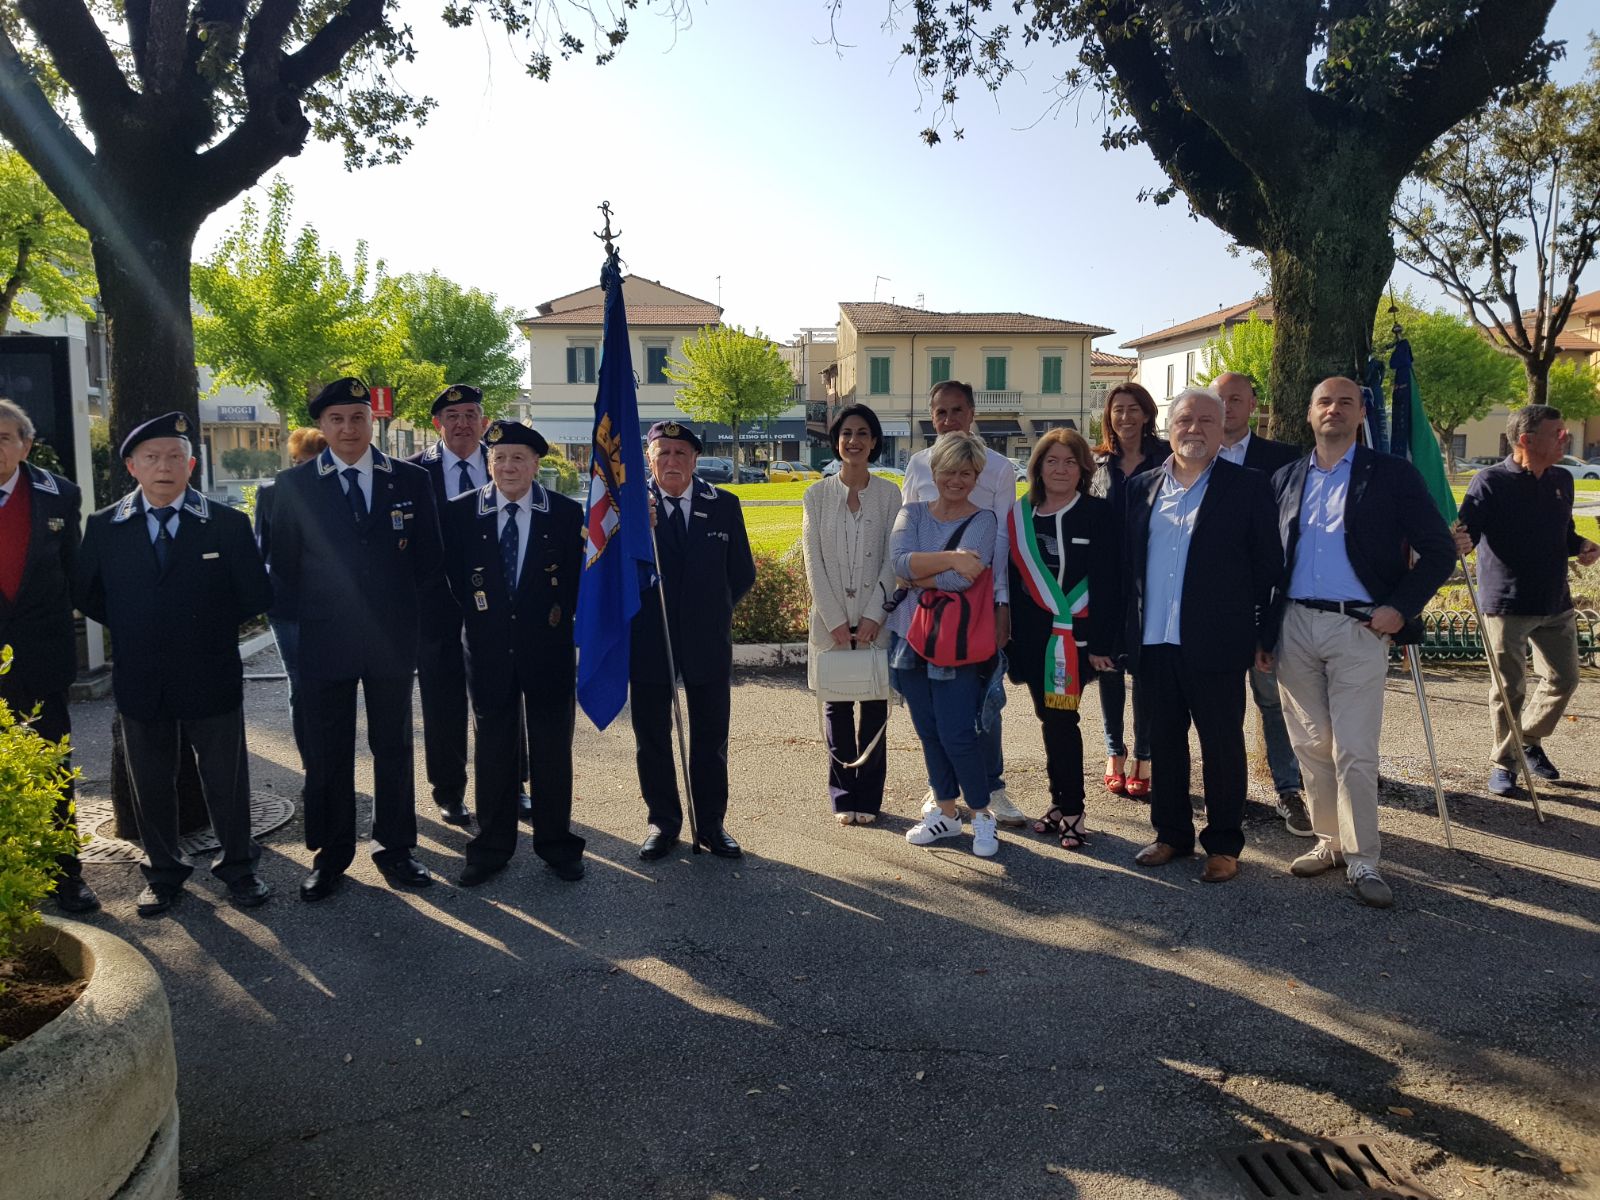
point(674, 429)
point(515, 433)
point(168, 425)
point(348, 390)
point(457, 393)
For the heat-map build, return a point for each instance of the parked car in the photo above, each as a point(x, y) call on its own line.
point(831, 467)
point(791, 472)
point(714, 470)
point(753, 472)
point(1578, 469)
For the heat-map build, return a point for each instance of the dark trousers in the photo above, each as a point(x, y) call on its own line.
point(650, 706)
point(1113, 687)
point(330, 706)
point(1063, 751)
point(287, 635)
point(856, 789)
point(153, 749)
point(442, 680)
point(1214, 702)
point(52, 724)
point(542, 727)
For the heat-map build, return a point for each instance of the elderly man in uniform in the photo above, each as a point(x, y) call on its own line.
point(173, 576)
point(705, 568)
point(39, 533)
point(512, 555)
point(455, 464)
point(355, 537)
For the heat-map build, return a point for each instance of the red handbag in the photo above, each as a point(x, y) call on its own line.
point(953, 629)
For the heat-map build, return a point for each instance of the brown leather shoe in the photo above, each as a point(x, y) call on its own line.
point(1156, 854)
point(1219, 868)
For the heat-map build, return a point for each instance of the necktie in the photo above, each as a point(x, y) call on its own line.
point(464, 484)
point(678, 521)
point(4, 496)
point(163, 534)
point(358, 502)
point(509, 540)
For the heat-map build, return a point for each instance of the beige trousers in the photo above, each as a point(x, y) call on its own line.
point(1331, 670)
point(1555, 656)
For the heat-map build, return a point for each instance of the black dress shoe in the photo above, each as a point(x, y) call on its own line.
point(73, 895)
point(455, 813)
point(154, 901)
point(320, 884)
point(407, 871)
point(475, 873)
point(657, 845)
point(719, 843)
point(525, 807)
point(248, 892)
point(570, 871)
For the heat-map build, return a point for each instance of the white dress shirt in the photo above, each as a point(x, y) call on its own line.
point(452, 473)
point(362, 464)
point(684, 502)
point(150, 517)
point(523, 519)
point(995, 490)
point(1236, 452)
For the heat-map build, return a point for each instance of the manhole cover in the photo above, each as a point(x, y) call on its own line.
point(1351, 1167)
point(268, 811)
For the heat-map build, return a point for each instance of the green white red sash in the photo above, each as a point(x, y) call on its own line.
point(1062, 678)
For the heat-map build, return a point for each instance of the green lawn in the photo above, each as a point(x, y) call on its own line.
point(774, 529)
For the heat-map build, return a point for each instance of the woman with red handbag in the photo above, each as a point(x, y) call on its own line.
point(943, 646)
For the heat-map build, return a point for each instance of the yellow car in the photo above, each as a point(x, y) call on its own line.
point(789, 472)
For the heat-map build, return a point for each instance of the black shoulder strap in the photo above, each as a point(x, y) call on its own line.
point(955, 538)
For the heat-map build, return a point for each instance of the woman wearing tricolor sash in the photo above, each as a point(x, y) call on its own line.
point(1064, 611)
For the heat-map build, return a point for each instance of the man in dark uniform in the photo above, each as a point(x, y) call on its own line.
point(355, 536)
point(455, 464)
point(705, 568)
point(512, 555)
point(39, 532)
point(173, 577)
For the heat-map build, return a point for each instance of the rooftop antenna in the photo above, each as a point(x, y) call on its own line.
point(876, 280)
point(719, 291)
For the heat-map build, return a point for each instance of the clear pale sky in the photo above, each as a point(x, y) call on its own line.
point(743, 148)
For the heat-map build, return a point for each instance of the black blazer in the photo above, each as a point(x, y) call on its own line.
point(37, 625)
point(1267, 456)
point(522, 640)
point(353, 588)
point(174, 632)
point(1235, 560)
point(1387, 514)
point(439, 609)
point(264, 495)
point(703, 581)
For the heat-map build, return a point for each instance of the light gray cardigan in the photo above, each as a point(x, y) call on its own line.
point(822, 540)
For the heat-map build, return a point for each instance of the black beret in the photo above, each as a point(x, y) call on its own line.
point(348, 390)
point(457, 393)
point(515, 433)
point(674, 429)
point(172, 424)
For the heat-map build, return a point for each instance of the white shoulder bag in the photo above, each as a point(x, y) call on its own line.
point(851, 676)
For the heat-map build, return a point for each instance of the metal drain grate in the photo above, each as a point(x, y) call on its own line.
point(1341, 1167)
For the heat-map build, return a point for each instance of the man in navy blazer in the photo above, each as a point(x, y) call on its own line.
point(705, 568)
point(1200, 559)
point(39, 534)
point(1243, 446)
point(355, 538)
point(1350, 520)
point(513, 551)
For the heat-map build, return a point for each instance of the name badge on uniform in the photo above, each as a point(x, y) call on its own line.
point(211, 554)
point(397, 519)
point(55, 524)
point(481, 601)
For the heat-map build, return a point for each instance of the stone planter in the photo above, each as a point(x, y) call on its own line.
point(88, 1104)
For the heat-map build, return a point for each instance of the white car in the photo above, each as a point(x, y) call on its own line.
point(1579, 469)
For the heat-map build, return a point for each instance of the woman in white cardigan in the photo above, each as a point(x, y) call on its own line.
point(845, 535)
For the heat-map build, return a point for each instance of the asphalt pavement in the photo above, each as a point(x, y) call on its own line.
point(842, 1014)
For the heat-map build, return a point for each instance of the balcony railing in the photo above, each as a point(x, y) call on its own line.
point(817, 412)
point(998, 401)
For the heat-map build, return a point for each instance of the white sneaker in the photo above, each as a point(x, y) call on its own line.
point(930, 805)
point(932, 828)
point(1004, 811)
point(984, 842)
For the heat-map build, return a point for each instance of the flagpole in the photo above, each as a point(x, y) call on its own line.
point(677, 703)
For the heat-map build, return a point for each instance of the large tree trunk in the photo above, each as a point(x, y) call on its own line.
point(1538, 376)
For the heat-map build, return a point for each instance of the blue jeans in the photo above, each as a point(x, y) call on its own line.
point(1280, 754)
point(1113, 700)
point(945, 715)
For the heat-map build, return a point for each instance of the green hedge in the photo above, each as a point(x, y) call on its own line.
point(778, 607)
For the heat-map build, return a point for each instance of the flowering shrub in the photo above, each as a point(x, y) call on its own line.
point(778, 607)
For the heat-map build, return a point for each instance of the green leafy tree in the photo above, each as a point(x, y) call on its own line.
point(43, 251)
point(1289, 124)
point(730, 377)
point(1504, 214)
point(464, 331)
point(1245, 348)
point(1574, 388)
point(382, 353)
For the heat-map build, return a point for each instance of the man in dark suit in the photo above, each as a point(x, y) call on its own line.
point(512, 555)
point(355, 536)
point(1349, 519)
point(455, 464)
point(705, 568)
point(1242, 446)
point(39, 533)
point(1201, 556)
point(173, 576)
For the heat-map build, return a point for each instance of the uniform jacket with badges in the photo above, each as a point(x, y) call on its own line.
point(37, 625)
point(438, 602)
point(704, 580)
point(353, 587)
point(174, 631)
point(522, 638)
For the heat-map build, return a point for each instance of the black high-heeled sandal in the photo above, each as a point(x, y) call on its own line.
point(1072, 833)
point(1051, 823)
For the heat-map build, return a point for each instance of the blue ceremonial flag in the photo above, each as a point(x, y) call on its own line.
point(618, 561)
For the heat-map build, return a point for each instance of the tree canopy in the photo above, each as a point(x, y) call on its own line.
point(43, 251)
point(730, 376)
point(1245, 347)
point(466, 332)
point(1574, 388)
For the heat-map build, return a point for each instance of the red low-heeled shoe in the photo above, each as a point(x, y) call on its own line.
point(1116, 784)
point(1138, 786)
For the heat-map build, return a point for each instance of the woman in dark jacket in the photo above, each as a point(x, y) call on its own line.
point(1064, 611)
point(1128, 447)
